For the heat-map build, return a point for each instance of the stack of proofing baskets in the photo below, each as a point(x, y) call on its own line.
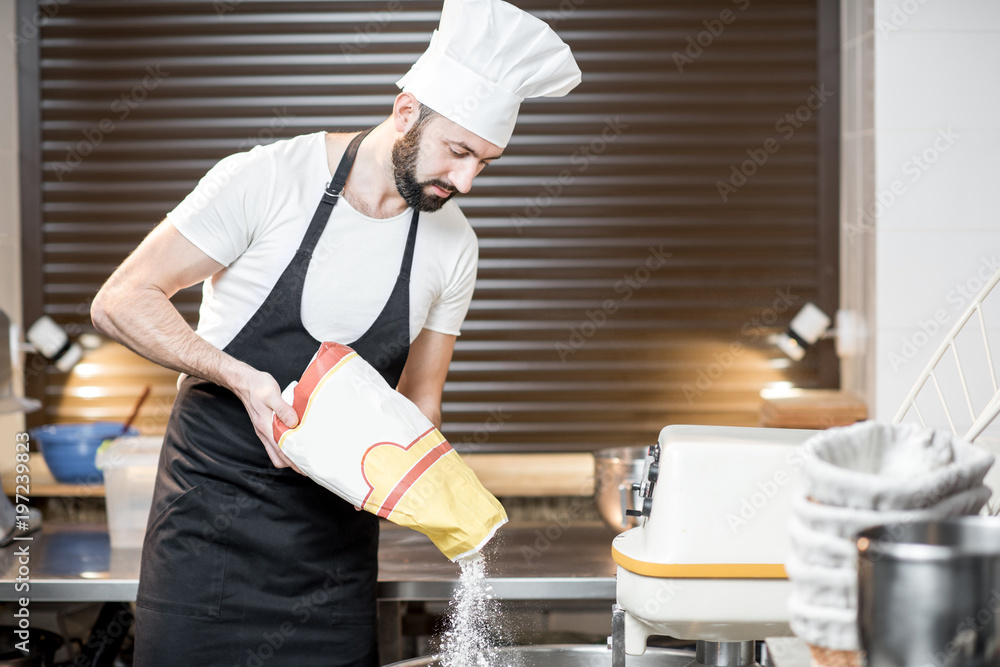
point(855, 477)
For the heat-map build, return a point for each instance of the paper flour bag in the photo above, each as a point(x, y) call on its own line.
point(373, 447)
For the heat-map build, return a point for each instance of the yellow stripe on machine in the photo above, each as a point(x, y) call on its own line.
point(700, 570)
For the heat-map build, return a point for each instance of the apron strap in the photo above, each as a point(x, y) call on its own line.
point(330, 197)
point(336, 186)
point(411, 237)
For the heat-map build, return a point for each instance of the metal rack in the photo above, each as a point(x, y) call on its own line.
point(943, 375)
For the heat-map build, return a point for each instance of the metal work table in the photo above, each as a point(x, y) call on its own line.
point(526, 561)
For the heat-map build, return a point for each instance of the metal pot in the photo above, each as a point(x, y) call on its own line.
point(614, 472)
point(571, 655)
point(929, 593)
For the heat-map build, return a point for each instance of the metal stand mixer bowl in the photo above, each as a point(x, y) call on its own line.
point(615, 471)
point(929, 593)
point(569, 655)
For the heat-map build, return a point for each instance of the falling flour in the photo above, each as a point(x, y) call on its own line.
point(473, 621)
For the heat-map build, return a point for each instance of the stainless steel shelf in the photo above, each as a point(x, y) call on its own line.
point(544, 561)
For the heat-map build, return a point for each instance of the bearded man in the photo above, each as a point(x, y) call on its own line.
point(246, 562)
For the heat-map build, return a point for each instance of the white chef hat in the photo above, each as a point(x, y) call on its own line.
point(484, 59)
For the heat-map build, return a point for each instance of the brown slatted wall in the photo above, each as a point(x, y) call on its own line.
point(617, 291)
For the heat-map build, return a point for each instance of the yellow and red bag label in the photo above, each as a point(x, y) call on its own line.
point(369, 444)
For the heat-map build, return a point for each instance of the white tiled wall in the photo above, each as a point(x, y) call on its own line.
point(937, 138)
point(943, 175)
point(10, 259)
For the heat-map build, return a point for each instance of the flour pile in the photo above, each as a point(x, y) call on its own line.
point(473, 621)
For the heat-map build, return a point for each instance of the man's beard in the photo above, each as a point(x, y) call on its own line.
point(404, 170)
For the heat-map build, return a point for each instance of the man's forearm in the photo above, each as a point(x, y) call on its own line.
point(134, 308)
point(432, 412)
point(149, 324)
point(424, 373)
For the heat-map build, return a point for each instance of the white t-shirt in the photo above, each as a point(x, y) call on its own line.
point(251, 211)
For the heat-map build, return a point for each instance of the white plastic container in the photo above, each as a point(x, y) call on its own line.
point(129, 466)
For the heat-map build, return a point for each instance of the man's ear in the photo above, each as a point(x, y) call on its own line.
point(405, 111)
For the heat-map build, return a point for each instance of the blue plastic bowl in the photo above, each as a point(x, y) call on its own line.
point(69, 449)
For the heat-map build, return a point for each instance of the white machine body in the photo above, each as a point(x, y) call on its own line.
point(706, 561)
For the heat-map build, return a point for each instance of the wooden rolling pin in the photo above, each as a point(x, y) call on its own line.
point(534, 474)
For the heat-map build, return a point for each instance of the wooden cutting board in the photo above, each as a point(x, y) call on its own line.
point(810, 408)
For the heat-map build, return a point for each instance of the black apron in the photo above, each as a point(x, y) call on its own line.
point(243, 563)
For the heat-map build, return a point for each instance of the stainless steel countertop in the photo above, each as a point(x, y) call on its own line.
point(525, 561)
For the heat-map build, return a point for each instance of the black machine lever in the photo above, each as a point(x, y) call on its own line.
point(647, 506)
point(644, 488)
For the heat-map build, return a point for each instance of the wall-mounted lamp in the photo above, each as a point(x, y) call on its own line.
point(44, 337)
point(50, 340)
point(811, 324)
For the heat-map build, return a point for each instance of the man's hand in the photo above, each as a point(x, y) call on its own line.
point(262, 398)
point(133, 307)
